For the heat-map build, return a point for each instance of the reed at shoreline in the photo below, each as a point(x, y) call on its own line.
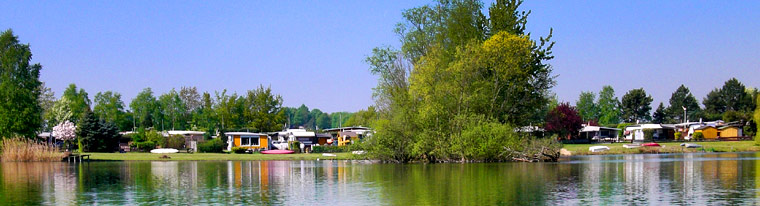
point(24, 150)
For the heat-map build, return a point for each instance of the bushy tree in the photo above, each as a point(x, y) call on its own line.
point(110, 108)
point(564, 121)
point(586, 106)
point(65, 131)
point(363, 118)
point(680, 99)
point(20, 111)
point(264, 110)
point(78, 102)
point(756, 116)
point(609, 106)
point(455, 64)
point(143, 107)
point(636, 105)
point(95, 135)
point(659, 116)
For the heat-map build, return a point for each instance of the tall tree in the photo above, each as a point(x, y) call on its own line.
point(636, 105)
point(265, 110)
point(659, 115)
point(680, 99)
point(47, 101)
point(109, 107)
point(365, 117)
point(143, 107)
point(586, 106)
point(735, 97)
point(78, 101)
point(173, 110)
point(95, 135)
point(714, 105)
point(20, 112)
point(609, 106)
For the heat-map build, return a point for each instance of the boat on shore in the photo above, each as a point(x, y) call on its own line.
point(690, 145)
point(652, 144)
point(278, 151)
point(598, 148)
point(164, 151)
point(631, 146)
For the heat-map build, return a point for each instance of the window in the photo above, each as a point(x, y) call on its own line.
point(249, 141)
point(254, 141)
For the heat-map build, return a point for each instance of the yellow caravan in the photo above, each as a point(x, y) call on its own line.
point(247, 140)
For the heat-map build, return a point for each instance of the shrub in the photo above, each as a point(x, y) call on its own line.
point(239, 150)
point(144, 146)
point(295, 146)
point(155, 137)
point(677, 135)
point(698, 136)
point(175, 141)
point(648, 134)
point(95, 135)
point(330, 149)
point(214, 145)
point(19, 149)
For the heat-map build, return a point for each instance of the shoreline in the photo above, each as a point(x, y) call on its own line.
point(667, 147)
point(573, 149)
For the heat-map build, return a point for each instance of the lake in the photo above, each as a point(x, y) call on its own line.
point(697, 178)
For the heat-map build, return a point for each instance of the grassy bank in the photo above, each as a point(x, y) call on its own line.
point(668, 147)
point(134, 156)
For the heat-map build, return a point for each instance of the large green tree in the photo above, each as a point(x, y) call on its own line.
point(20, 112)
point(110, 108)
point(680, 99)
point(609, 106)
point(457, 66)
point(47, 101)
point(587, 108)
point(636, 105)
point(265, 110)
point(78, 102)
point(659, 116)
point(733, 96)
point(144, 108)
point(96, 135)
point(173, 110)
point(365, 117)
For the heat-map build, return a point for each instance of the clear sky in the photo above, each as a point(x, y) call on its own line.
point(312, 52)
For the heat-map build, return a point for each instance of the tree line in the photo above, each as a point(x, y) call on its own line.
point(29, 107)
point(733, 102)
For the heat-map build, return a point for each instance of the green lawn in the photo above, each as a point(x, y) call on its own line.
point(137, 156)
point(668, 147)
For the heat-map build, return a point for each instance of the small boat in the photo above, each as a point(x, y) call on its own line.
point(278, 151)
point(329, 155)
point(631, 146)
point(598, 148)
point(164, 151)
point(650, 144)
point(690, 145)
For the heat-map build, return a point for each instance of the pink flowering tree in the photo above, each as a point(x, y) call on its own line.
point(65, 131)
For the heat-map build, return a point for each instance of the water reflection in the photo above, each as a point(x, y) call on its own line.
point(718, 178)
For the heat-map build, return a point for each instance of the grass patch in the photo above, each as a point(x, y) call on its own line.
point(668, 147)
point(138, 156)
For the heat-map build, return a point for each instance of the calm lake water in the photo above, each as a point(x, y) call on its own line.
point(712, 179)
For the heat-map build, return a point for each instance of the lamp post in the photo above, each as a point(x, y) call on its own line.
point(684, 114)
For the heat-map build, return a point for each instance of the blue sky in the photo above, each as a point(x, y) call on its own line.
point(312, 52)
